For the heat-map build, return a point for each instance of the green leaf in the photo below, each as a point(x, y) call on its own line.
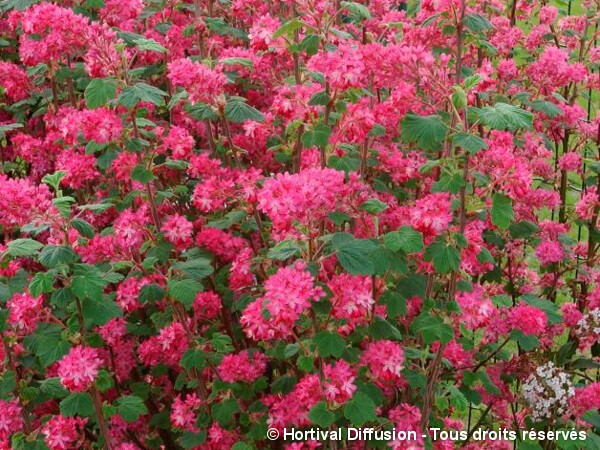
point(141, 174)
point(223, 411)
point(55, 255)
point(24, 247)
point(131, 407)
point(184, 291)
point(83, 227)
point(503, 116)
point(432, 328)
point(98, 312)
point(321, 416)
point(104, 381)
point(469, 142)
point(52, 387)
point(444, 256)
point(360, 409)
point(99, 91)
point(190, 440)
point(19, 5)
point(150, 293)
point(427, 132)
point(449, 183)
point(321, 98)
point(219, 26)
point(241, 446)
point(53, 179)
point(8, 127)
point(284, 250)
point(458, 399)
point(222, 343)
point(94, 4)
point(329, 344)
point(246, 62)
point(382, 329)
point(395, 303)
point(196, 269)
point(551, 309)
point(357, 9)
point(231, 218)
point(310, 44)
point(477, 22)
point(201, 111)
point(317, 137)
point(355, 255)
point(88, 282)
point(527, 342)
point(41, 283)
point(550, 109)
point(238, 112)
point(502, 211)
point(77, 404)
point(592, 417)
point(291, 350)
point(405, 238)
point(149, 45)
point(193, 359)
point(141, 92)
point(385, 260)
point(523, 230)
point(288, 28)
point(374, 206)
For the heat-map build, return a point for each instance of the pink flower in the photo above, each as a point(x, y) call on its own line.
point(245, 366)
point(101, 125)
point(476, 310)
point(22, 201)
point(80, 168)
point(79, 368)
point(548, 14)
point(586, 398)
point(288, 294)
point(128, 293)
point(59, 32)
point(549, 252)
point(571, 161)
point(130, 228)
point(207, 305)
point(351, 301)
point(305, 199)
point(25, 311)
point(14, 81)
point(343, 68)
point(224, 245)
point(178, 231)
point(183, 412)
point(432, 214)
point(180, 142)
point(339, 384)
point(64, 433)
point(385, 361)
point(10, 419)
point(571, 314)
point(168, 347)
point(587, 204)
point(202, 83)
point(407, 417)
point(528, 319)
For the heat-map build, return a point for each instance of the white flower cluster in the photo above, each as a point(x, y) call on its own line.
point(589, 324)
point(547, 391)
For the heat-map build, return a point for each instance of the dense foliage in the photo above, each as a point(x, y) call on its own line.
point(218, 217)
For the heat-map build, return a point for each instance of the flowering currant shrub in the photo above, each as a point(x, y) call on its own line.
point(223, 217)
